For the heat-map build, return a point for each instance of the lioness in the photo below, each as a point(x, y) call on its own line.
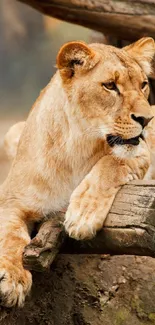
point(83, 139)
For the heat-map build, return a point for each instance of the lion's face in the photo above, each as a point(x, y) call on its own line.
point(108, 90)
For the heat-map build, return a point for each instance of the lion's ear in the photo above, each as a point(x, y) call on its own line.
point(75, 55)
point(142, 51)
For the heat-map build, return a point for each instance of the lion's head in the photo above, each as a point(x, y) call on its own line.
point(108, 90)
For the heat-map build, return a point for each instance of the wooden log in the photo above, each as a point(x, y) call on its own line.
point(43, 248)
point(125, 19)
point(129, 229)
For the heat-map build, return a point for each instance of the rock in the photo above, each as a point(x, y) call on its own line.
point(90, 290)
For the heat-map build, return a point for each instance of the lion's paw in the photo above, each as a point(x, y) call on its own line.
point(130, 177)
point(84, 221)
point(15, 284)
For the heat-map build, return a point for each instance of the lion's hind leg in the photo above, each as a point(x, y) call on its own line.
point(15, 281)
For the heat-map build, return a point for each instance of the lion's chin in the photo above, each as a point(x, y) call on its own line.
point(124, 148)
point(124, 152)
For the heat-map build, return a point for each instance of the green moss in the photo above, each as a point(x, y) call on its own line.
point(138, 306)
point(121, 316)
point(151, 317)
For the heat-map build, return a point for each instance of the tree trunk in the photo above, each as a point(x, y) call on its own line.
point(125, 19)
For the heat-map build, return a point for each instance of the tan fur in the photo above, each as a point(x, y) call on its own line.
point(63, 157)
point(11, 139)
point(150, 138)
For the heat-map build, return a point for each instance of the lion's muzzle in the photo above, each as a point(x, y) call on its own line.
point(117, 140)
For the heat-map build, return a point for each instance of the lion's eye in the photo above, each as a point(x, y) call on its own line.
point(144, 84)
point(110, 85)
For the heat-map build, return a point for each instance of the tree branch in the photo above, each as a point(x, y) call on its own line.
point(126, 19)
point(43, 248)
point(129, 229)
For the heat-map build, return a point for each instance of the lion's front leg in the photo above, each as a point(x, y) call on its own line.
point(15, 281)
point(92, 199)
point(87, 210)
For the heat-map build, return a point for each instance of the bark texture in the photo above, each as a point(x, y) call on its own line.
point(125, 19)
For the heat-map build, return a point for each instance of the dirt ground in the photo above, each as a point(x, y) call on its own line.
point(90, 290)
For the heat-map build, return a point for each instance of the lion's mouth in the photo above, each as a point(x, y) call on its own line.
point(117, 140)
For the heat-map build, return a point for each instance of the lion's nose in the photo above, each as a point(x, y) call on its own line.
point(143, 121)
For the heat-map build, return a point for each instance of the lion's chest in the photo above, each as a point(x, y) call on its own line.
point(50, 179)
point(62, 180)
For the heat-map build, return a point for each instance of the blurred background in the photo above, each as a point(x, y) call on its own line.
point(29, 42)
